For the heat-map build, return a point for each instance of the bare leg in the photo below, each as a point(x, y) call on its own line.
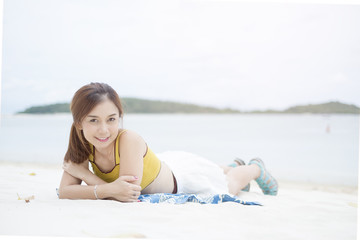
point(240, 176)
point(226, 169)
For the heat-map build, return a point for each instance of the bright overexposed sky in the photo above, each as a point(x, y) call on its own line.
point(238, 54)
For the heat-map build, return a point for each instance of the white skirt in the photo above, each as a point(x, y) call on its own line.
point(195, 174)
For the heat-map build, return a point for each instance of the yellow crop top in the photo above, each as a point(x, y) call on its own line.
point(151, 167)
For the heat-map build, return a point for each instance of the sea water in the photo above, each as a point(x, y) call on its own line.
point(300, 147)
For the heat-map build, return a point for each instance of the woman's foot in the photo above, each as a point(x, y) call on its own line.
point(240, 162)
point(267, 183)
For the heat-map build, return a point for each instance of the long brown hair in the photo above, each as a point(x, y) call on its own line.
point(84, 100)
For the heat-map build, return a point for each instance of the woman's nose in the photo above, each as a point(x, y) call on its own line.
point(103, 128)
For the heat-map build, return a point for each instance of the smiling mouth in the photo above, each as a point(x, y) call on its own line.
point(103, 139)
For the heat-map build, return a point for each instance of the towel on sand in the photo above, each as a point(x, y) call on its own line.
point(184, 198)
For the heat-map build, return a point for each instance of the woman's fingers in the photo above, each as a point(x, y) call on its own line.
point(65, 166)
point(128, 178)
point(137, 188)
point(126, 190)
point(136, 194)
point(133, 197)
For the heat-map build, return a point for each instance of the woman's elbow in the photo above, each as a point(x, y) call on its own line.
point(62, 193)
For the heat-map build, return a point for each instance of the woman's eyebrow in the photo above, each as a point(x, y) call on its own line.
point(93, 116)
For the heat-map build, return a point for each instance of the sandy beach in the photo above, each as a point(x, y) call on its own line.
point(300, 211)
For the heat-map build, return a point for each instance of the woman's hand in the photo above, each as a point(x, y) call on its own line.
point(123, 190)
point(75, 170)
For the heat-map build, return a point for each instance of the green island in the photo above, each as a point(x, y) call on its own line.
point(136, 105)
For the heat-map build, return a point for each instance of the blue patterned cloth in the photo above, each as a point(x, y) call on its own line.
point(184, 198)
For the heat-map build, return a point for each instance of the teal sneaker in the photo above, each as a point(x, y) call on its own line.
point(266, 182)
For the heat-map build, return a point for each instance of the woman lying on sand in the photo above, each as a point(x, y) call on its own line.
point(125, 167)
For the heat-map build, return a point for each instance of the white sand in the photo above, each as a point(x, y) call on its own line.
point(300, 211)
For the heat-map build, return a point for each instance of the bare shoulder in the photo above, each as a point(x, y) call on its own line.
point(129, 135)
point(132, 140)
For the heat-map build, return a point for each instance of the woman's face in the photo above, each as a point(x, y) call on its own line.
point(100, 126)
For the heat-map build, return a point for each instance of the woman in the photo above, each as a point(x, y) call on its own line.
point(125, 167)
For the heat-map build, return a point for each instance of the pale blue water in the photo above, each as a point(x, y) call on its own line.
point(294, 147)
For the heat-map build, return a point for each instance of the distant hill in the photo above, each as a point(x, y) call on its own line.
point(135, 105)
point(324, 108)
point(52, 108)
point(331, 107)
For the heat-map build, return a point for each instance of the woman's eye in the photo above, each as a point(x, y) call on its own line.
point(112, 119)
point(93, 120)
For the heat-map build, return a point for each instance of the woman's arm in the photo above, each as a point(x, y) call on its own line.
point(132, 149)
point(122, 189)
point(81, 171)
point(71, 188)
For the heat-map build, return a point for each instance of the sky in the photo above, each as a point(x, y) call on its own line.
point(237, 54)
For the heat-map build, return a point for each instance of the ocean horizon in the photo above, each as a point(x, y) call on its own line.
point(295, 147)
